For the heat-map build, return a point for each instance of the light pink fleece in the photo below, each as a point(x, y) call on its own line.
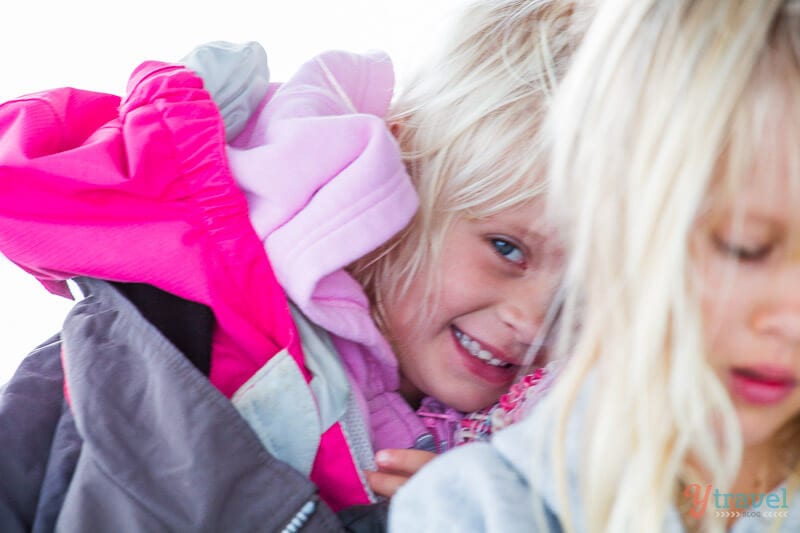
point(326, 185)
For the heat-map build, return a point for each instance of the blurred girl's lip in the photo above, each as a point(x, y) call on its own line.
point(762, 385)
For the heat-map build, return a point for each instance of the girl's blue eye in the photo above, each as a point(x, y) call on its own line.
point(508, 251)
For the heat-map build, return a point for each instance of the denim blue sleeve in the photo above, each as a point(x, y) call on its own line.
point(471, 488)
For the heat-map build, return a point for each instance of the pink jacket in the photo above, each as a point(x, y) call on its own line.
point(141, 190)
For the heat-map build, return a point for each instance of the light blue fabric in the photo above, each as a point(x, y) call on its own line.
point(236, 75)
point(477, 487)
point(330, 386)
point(487, 487)
point(279, 406)
point(289, 415)
point(483, 486)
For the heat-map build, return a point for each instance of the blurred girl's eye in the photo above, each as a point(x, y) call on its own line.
point(508, 250)
point(741, 252)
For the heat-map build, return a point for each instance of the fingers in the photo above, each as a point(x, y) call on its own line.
point(398, 461)
point(385, 484)
point(394, 468)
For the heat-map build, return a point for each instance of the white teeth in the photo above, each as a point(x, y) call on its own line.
point(474, 348)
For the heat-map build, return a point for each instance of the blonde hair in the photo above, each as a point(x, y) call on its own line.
point(662, 99)
point(467, 127)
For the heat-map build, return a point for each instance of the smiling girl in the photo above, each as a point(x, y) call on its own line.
point(464, 292)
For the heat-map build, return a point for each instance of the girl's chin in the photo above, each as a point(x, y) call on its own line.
point(756, 430)
point(468, 403)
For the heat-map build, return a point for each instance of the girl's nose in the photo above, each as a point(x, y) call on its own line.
point(525, 311)
point(783, 323)
point(778, 313)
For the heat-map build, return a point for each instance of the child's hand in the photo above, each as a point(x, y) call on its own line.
point(395, 466)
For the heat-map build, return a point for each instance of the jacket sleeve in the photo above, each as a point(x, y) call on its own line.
point(31, 407)
point(139, 190)
point(89, 183)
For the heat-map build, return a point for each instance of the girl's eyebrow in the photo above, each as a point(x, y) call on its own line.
point(754, 207)
point(540, 244)
point(533, 237)
point(750, 215)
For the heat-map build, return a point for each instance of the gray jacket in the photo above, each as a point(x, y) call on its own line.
point(143, 442)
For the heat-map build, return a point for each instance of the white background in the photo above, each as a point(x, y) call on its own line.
point(94, 45)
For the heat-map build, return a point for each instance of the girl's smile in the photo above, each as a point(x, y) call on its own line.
point(484, 361)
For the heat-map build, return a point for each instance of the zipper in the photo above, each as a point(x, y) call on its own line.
point(302, 516)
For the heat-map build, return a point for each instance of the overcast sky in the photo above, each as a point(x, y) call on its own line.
point(94, 45)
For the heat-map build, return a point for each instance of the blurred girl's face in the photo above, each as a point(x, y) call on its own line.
point(748, 253)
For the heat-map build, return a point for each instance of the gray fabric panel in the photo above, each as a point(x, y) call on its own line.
point(237, 77)
point(30, 406)
point(64, 455)
point(163, 449)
